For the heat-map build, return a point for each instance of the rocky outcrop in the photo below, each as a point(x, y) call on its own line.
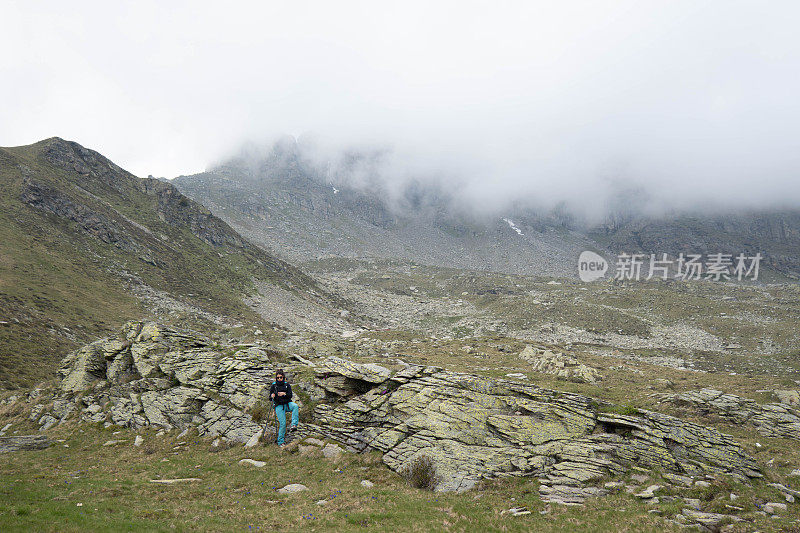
point(42, 196)
point(561, 365)
point(475, 427)
point(472, 427)
point(150, 375)
point(771, 420)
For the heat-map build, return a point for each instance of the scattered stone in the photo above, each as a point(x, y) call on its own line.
point(316, 442)
point(786, 490)
point(307, 450)
point(177, 480)
point(294, 487)
point(661, 383)
point(640, 478)
point(773, 507)
point(789, 498)
point(138, 441)
point(322, 502)
point(113, 442)
point(795, 472)
point(367, 484)
point(253, 441)
point(702, 484)
point(517, 375)
point(5, 428)
point(47, 422)
point(788, 397)
point(560, 365)
point(216, 442)
point(568, 495)
point(649, 492)
point(23, 442)
point(516, 511)
point(694, 503)
point(712, 521)
point(331, 451)
point(253, 462)
point(614, 485)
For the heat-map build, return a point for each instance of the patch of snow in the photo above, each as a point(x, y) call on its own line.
point(513, 226)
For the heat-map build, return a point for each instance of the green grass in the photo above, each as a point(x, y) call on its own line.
point(41, 491)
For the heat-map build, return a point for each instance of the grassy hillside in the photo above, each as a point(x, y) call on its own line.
point(79, 235)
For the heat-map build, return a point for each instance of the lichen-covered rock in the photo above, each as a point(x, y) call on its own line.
point(83, 367)
point(215, 419)
point(771, 420)
point(561, 365)
point(472, 427)
point(788, 397)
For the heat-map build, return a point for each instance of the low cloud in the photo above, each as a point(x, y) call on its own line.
point(685, 104)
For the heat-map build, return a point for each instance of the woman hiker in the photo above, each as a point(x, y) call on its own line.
point(281, 395)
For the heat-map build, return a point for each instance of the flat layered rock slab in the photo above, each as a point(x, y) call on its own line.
point(23, 442)
point(174, 481)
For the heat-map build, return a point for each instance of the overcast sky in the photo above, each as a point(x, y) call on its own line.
point(693, 100)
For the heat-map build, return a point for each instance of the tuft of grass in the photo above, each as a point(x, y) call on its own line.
point(421, 473)
point(260, 411)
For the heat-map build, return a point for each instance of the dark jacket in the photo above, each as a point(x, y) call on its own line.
point(281, 387)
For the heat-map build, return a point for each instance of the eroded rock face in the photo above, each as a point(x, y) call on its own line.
point(472, 427)
point(158, 376)
point(771, 420)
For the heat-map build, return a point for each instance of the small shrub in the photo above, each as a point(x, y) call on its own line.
point(260, 411)
point(421, 473)
point(149, 449)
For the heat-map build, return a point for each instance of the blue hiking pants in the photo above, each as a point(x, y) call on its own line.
point(280, 412)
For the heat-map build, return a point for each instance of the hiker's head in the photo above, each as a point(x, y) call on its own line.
point(280, 376)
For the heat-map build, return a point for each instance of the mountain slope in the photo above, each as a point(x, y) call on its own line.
point(83, 242)
point(285, 203)
point(291, 205)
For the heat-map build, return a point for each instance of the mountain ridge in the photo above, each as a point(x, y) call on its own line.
point(287, 203)
point(87, 245)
